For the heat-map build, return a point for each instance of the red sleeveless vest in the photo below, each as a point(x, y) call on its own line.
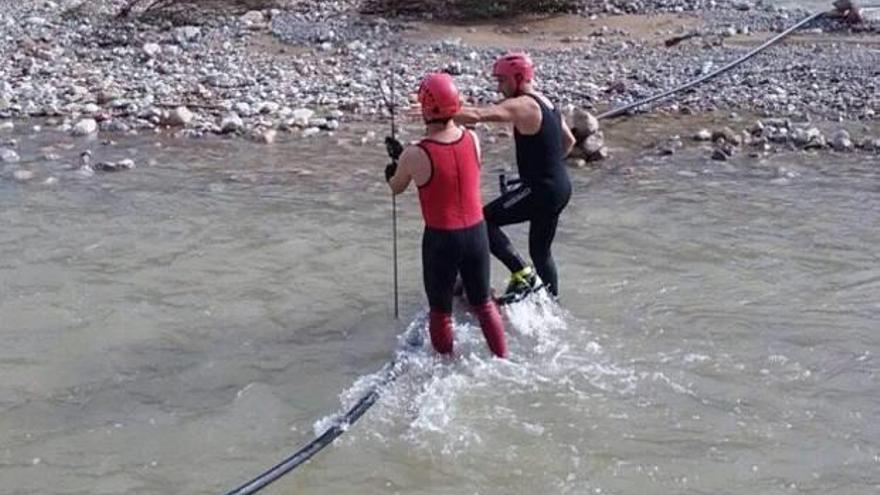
point(451, 198)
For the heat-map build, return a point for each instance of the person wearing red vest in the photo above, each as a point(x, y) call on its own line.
point(445, 167)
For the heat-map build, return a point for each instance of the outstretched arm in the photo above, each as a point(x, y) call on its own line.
point(502, 112)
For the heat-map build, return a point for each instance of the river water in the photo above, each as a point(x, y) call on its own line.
point(179, 327)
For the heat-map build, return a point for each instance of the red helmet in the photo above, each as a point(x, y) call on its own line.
point(439, 97)
point(514, 64)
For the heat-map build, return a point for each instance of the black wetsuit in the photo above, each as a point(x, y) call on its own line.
point(539, 199)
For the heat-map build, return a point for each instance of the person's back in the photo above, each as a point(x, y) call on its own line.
point(540, 156)
point(450, 199)
point(446, 168)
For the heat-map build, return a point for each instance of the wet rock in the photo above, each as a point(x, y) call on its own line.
point(757, 129)
point(811, 138)
point(777, 134)
point(594, 148)
point(85, 127)
point(126, 164)
point(669, 147)
point(23, 175)
point(577, 163)
point(116, 126)
point(719, 155)
point(703, 135)
point(584, 124)
point(231, 123)
point(179, 117)
point(268, 136)
point(9, 156)
point(727, 135)
point(841, 141)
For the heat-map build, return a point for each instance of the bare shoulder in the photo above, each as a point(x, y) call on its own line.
point(413, 154)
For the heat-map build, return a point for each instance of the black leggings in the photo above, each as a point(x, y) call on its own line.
point(541, 210)
point(445, 253)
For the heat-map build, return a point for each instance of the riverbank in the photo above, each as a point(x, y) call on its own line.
point(314, 67)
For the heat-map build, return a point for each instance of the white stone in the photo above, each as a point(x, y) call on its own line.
point(23, 175)
point(242, 109)
point(253, 18)
point(180, 116)
point(6, 126)
point(91, 108)
point(269, 136)
point(85, 127)
point(301, 116)
point(8, 156)
point(703, 135)
point(231, 123)
point(152, 49)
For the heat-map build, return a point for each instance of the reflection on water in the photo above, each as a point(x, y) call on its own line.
point(181, 326)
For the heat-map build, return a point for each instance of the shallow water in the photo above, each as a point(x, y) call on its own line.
point(179, 327)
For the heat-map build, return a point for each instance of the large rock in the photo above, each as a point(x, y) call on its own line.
point(811, 138)
point(231, 123)
point(728, 135)
point(85, 127)
point(841, 141)
point(703, 135)
point(8, 156)
point(6, 126)
point(584, 124)
point(301, 117)
point(23, 175)
point(126, 164)
point(179, 117)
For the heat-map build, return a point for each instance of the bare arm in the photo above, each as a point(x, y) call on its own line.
point(568, 139)
point(403, 176)
point(506, 111)
point(477, 145)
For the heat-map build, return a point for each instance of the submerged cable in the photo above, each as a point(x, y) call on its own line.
point(412, 340)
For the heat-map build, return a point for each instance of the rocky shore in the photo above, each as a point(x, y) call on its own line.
point(311, 67)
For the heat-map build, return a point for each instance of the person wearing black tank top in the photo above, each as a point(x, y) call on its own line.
point(543, 140)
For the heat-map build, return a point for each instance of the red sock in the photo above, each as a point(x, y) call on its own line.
point(493, 329)
point(440, 327)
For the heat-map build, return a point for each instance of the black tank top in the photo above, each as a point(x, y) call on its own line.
point(539, 157)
